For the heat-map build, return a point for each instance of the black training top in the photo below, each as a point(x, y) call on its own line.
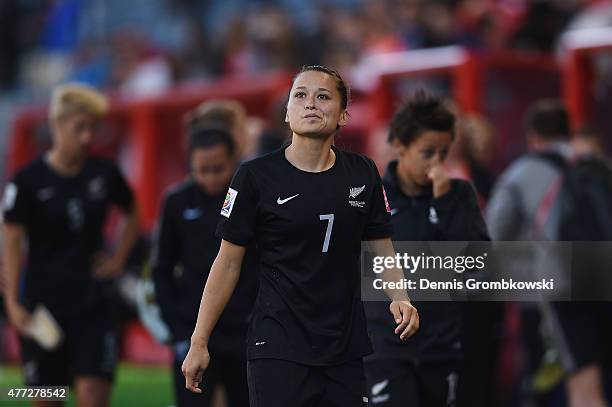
point(454, 216)
point(64, 219)
point(308, 227)
point(184, 251)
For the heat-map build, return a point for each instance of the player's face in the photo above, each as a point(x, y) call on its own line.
point(74, 133)
point(315, 108)
point(417, 158)
point(212, 168)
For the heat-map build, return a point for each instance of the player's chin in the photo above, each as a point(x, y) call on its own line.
point(424, 181)
point(80, 153)
point(315, 132)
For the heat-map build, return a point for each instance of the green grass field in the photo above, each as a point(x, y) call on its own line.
point(137, 386)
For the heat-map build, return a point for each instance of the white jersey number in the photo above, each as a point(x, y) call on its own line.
point(330, 224)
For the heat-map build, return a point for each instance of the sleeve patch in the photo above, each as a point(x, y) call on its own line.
point(228, 204)
point(10, 195)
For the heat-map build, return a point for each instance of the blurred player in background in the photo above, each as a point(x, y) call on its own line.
point(185, 249)
point(426, 205)
point(308, 206)
point(530, 202)
point(59, 204)
point(232, 115)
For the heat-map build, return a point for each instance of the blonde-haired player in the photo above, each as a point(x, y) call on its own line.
point(59, 203)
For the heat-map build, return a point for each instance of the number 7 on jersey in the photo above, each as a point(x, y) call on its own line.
point(330, 224)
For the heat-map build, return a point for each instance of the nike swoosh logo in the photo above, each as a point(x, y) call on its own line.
point(282, 201)
point(191, 214)
point(378, 387)
point(45, 194)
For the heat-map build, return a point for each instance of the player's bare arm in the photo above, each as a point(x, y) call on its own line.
point(404, 313)
point(13, 245)
point(114, 265)
point(218, 290)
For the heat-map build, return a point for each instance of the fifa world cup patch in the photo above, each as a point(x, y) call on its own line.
point(228, 204)
point(10, 195)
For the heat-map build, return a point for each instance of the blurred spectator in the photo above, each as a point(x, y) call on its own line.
point(543, 23)
point(344, 34)
point(138, 69)
point(438, 24)
point(184, 39)
point(92, 64)
point(60, 32)
point(380, 35)
point(193, 60)
point(268, 43)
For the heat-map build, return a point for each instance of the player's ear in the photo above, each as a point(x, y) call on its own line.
point(344, 116)
point(397, 146)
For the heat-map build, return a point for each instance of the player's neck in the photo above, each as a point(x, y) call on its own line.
point(311, 154)
point(65, 166)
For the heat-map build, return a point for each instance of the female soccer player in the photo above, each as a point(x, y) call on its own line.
point(186, 240)
point(307, 206)
point(59, 203)
point(426, 206)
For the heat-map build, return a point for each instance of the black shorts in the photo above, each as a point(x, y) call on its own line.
point(226, 368)
point(396, 383)
point(89, 348)
point(582, 333)
point(281, 383)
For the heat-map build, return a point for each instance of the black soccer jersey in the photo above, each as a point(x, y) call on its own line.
point(64, 218)
point(186, 238)
point(308, 227)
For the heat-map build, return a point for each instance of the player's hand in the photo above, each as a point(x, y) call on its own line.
point(18, 316)
point(108, 267)
point(406, 317)
point(440, 180)
point(194, 365)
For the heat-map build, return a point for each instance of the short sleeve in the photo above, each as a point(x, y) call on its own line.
point(16, 204)
point(120, 193)
point(239, 210)
point(378, 225)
